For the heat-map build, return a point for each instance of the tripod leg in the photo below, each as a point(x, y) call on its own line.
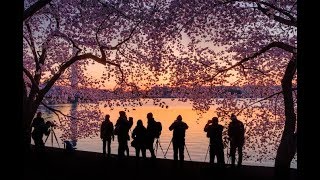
point(156, 147)
point(161, 149)
point(167, 149)
point(47, 138)
point(206, 154)
point(187, 151)
point(56, 138)
point(51, 139)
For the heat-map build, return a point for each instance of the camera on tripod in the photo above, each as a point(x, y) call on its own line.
point(48, 127)
point(49, 131)
point(50, 124)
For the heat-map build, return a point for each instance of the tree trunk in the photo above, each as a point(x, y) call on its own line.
point(288, 144)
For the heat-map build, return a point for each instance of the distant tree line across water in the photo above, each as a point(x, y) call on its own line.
point(64, 94)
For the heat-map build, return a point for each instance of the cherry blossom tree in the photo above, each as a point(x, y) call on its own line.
point(61, 34)
point(259, 40)
point(194, 46)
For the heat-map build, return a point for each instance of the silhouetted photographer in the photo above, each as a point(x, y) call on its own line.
point(214, 132)
point(106, 134)
point(236, 136)
point(121, 130)
point(39, 128)
point(178, 140)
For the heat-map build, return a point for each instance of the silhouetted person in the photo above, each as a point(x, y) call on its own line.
point(236, 137)
point(39, 128)
point(139, 137)
point(178, 141)
point(106, 133)
point(151, 130)
point(214, 132)
point(123, 126)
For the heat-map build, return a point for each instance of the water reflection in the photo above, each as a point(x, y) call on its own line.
point(196, 140)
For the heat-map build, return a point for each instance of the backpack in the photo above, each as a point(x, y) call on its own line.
point(158, 129)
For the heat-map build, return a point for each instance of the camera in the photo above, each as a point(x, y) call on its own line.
point(50, 124)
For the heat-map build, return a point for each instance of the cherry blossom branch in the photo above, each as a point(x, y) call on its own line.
point(123, 41)
point(28, 42)
point(67, 64)
point(60, 34)
point(275, 107)
point(104, 4)
point(29, 75)
point(98, 30)
point(253, 69)
point(268, 97)
point(34, 8)
point(280, 45)
point(55, 111)
point(291, 22)
point(283, 11)
point(32, 46)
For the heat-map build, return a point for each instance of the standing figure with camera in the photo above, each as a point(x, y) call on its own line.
point(150, 136)
point(236, 137)
point(178, 140)
point(122, 129)
point(106, 133)
point(214, 132)
point(139, 136)
point(39, 128)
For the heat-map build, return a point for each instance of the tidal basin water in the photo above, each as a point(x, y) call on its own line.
point(196, 140)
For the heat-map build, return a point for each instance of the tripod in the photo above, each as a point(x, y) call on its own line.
point(156, 147)
point(207, 153)
point(184, 147)
point(187, 151)
point(52, 133)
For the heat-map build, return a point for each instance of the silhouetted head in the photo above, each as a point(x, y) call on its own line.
point(215, 120)
point(233, 117)
point(179, 118)
point(122, 113)
point(139, 122)
point(149, 115)
point(107, 117)
point(39, 114)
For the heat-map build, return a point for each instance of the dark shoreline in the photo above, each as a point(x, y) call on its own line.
point(57, 164)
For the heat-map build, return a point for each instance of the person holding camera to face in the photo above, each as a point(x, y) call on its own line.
point(214, 132)
point(39, 128)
